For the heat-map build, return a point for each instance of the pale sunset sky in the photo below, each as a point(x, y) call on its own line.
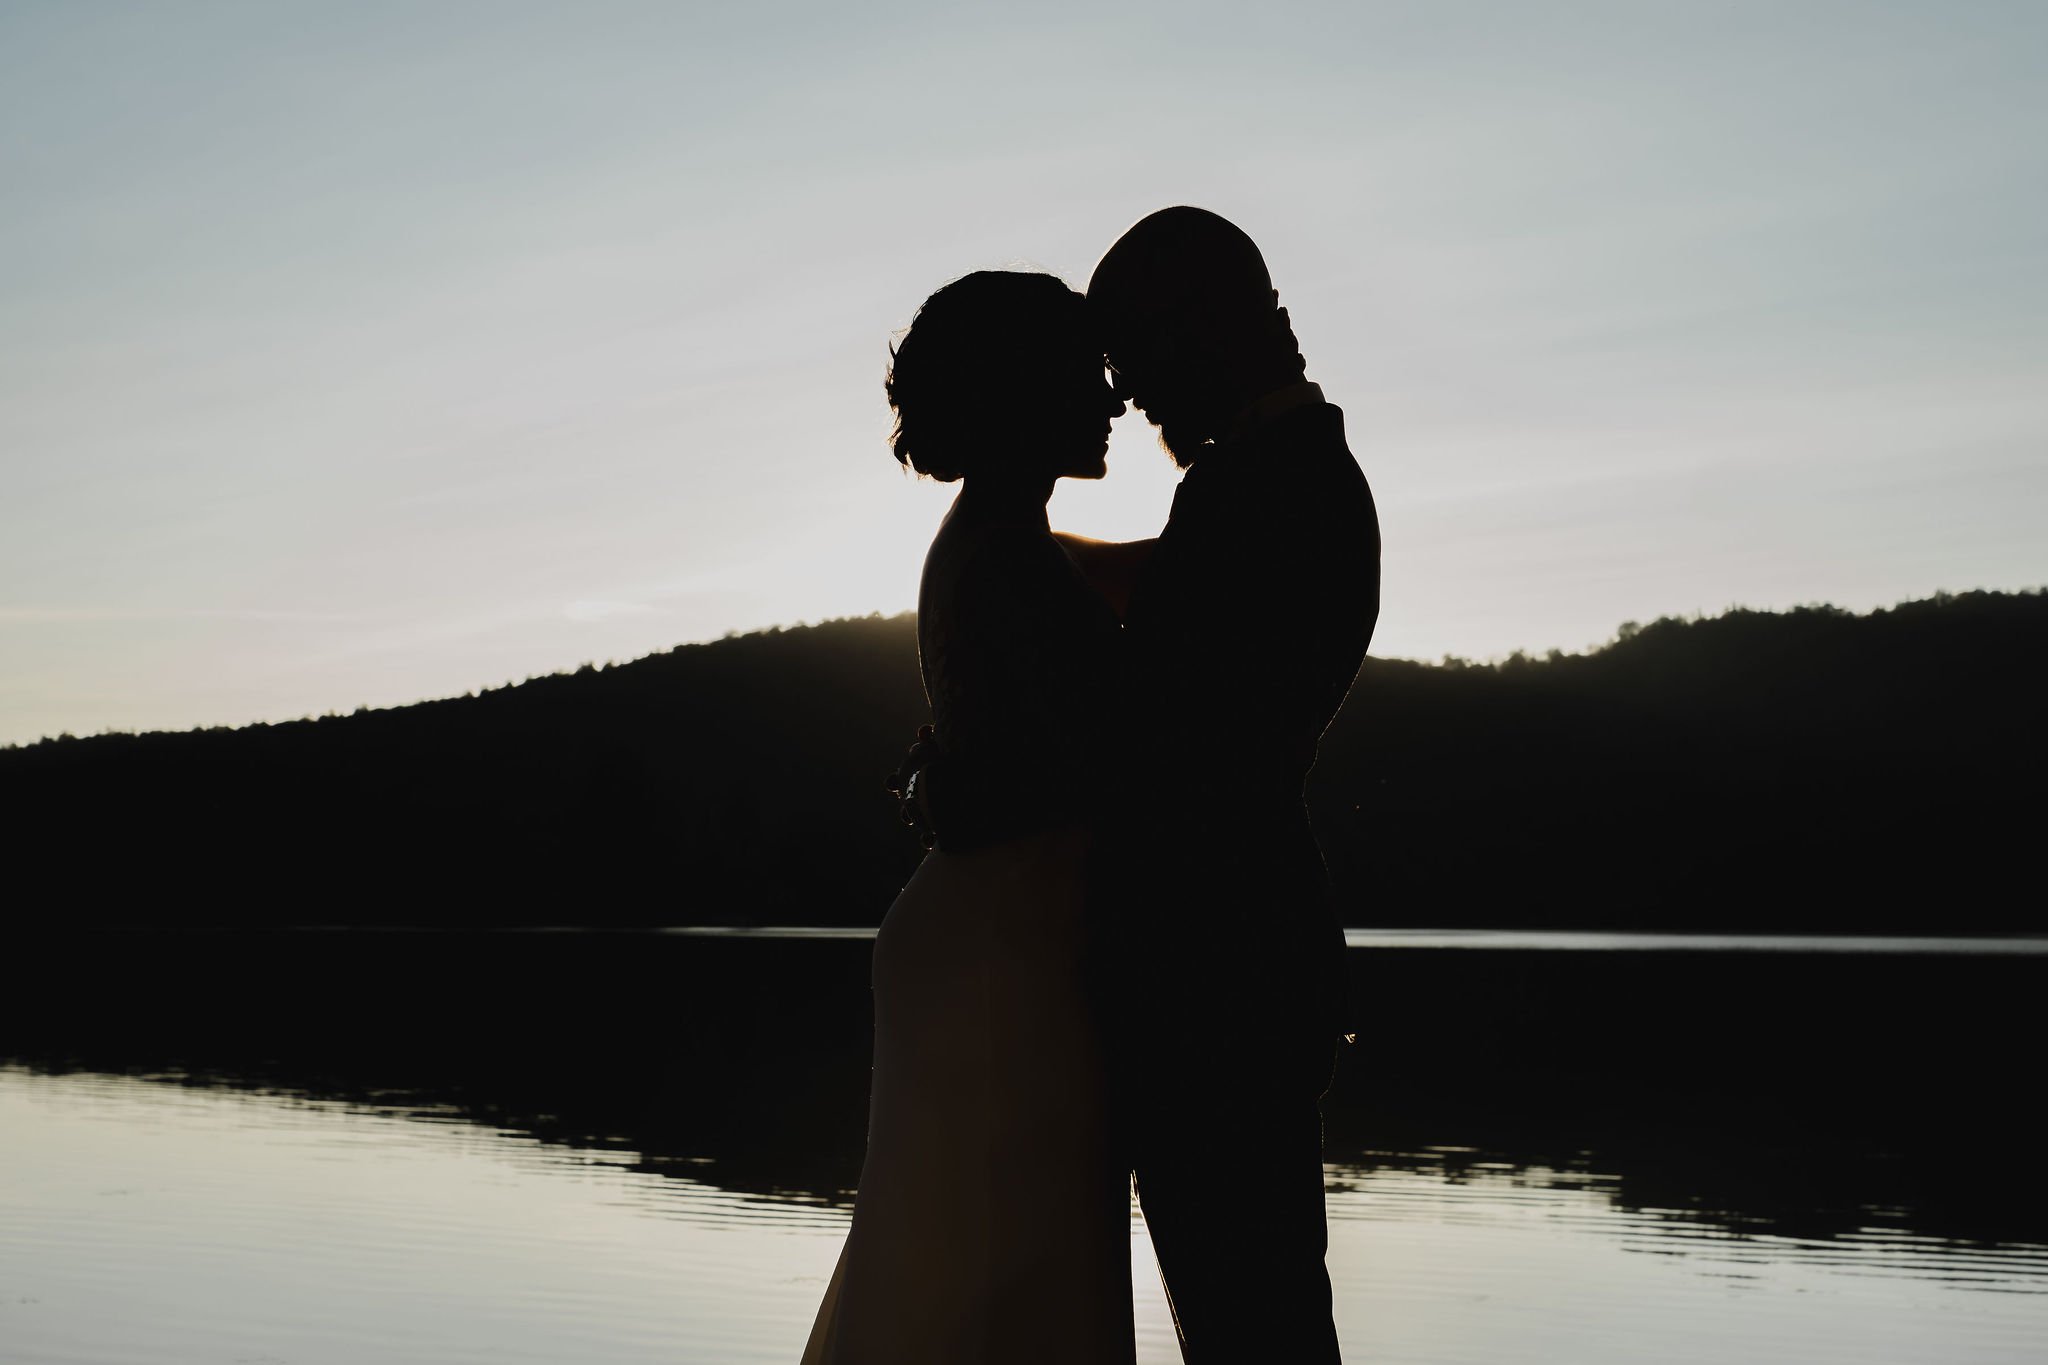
point(352, 354)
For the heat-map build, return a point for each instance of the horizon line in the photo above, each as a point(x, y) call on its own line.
point(1623, 631)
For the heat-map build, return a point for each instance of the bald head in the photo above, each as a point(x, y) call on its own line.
point(1191, 325)
point(1182, 263)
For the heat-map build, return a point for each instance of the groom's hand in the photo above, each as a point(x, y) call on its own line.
point(910, 784)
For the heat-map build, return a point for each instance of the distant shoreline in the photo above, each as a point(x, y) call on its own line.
point(1493, 940)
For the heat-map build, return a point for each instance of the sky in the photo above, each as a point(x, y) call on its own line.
point(352, 354)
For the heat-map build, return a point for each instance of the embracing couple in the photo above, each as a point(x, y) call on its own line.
point(1120, 957)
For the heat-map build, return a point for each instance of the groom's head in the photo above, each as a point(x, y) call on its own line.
point(1188, 318)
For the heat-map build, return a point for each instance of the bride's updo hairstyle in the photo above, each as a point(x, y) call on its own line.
point(976, 366)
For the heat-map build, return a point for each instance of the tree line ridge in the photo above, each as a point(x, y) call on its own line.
point(1812, 769)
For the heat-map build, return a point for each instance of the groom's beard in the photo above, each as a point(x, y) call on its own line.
point(1182, 442)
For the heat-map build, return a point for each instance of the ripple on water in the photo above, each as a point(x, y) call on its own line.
point(161, 1222)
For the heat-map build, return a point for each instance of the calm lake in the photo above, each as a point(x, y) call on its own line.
point(357, 1146)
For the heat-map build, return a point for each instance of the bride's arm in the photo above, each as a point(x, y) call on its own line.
point(1110, 566)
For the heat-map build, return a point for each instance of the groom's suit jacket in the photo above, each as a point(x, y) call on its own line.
point(1245, 631)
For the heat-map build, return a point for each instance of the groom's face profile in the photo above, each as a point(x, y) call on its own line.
point(1170, 298)
point(1160, 369)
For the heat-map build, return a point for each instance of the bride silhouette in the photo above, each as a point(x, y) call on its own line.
point(992, 1222)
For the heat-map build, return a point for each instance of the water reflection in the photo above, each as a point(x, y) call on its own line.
point(1460, 1186)
point(1562, 1145)
point(163, 1224)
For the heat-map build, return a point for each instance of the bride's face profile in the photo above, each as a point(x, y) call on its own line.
point(1064, 419)
point(1000, 379)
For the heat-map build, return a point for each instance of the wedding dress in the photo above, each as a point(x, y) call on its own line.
point(992, 1222)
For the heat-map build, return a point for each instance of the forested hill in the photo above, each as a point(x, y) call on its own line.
point(1803, 770)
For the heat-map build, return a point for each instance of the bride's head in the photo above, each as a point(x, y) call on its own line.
point(1001, 375)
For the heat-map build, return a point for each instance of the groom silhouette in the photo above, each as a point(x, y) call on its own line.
point(1245, 628)
point(1222, 989)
